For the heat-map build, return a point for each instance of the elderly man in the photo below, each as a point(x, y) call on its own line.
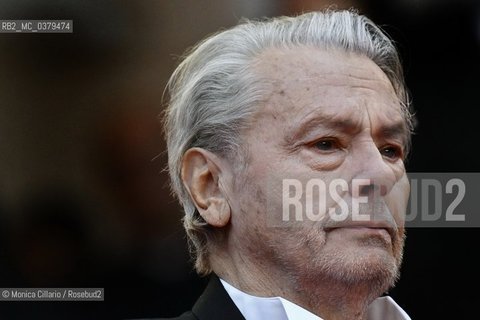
point(320, 96)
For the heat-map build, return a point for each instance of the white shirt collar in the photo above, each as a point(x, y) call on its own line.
point(260, 308)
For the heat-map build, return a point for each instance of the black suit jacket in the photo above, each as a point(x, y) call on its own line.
point(213, 304)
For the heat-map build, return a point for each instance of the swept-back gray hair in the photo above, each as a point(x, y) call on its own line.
point(213, 91)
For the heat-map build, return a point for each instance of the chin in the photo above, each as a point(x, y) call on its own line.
point(344, 262)
point(372, 264)
point(370, 260)
point(373, 267)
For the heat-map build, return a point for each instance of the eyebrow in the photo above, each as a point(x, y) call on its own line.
point(395, 130)
point(329, 121)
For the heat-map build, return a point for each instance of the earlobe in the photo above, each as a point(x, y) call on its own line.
point(217, 213)
point(201, 175)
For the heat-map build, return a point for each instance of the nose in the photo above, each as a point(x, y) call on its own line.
point(373, 173)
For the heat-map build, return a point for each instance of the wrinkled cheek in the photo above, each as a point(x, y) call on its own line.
point(397, 201)
point(298, 246)
point(398, 246)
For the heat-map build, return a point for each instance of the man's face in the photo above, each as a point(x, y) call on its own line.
point(329, 115)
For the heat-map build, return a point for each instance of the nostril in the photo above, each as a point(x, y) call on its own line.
point(371, 189)
point(366, 190)
point(383, 190)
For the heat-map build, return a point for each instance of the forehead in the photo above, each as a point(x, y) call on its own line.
point(303, 80)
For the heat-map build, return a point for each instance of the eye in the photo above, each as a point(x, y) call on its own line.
point(327, 144)
point(391, 152)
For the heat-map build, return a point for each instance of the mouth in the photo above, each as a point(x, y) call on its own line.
point(381, 229)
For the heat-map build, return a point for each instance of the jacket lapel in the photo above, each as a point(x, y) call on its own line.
point(215, 303)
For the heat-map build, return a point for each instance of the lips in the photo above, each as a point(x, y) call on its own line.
point(367, 226)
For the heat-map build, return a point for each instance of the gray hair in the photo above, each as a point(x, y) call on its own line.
point(213, 92)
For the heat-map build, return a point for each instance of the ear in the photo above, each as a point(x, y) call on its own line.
point(201, 174)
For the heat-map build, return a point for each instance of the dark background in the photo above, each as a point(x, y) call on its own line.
point(82, 204)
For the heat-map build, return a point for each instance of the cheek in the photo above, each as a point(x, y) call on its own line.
point(249, 203)
point(298, 243)
point(397, 200)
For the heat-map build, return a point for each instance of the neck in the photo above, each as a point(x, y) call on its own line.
point(324, 297)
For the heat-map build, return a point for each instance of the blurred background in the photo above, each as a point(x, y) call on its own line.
point(82, 203)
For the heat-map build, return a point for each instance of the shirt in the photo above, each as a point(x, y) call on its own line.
point(278, 308)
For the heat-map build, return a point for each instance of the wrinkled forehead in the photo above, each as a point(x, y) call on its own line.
point(299, 81)
point(310, 75)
